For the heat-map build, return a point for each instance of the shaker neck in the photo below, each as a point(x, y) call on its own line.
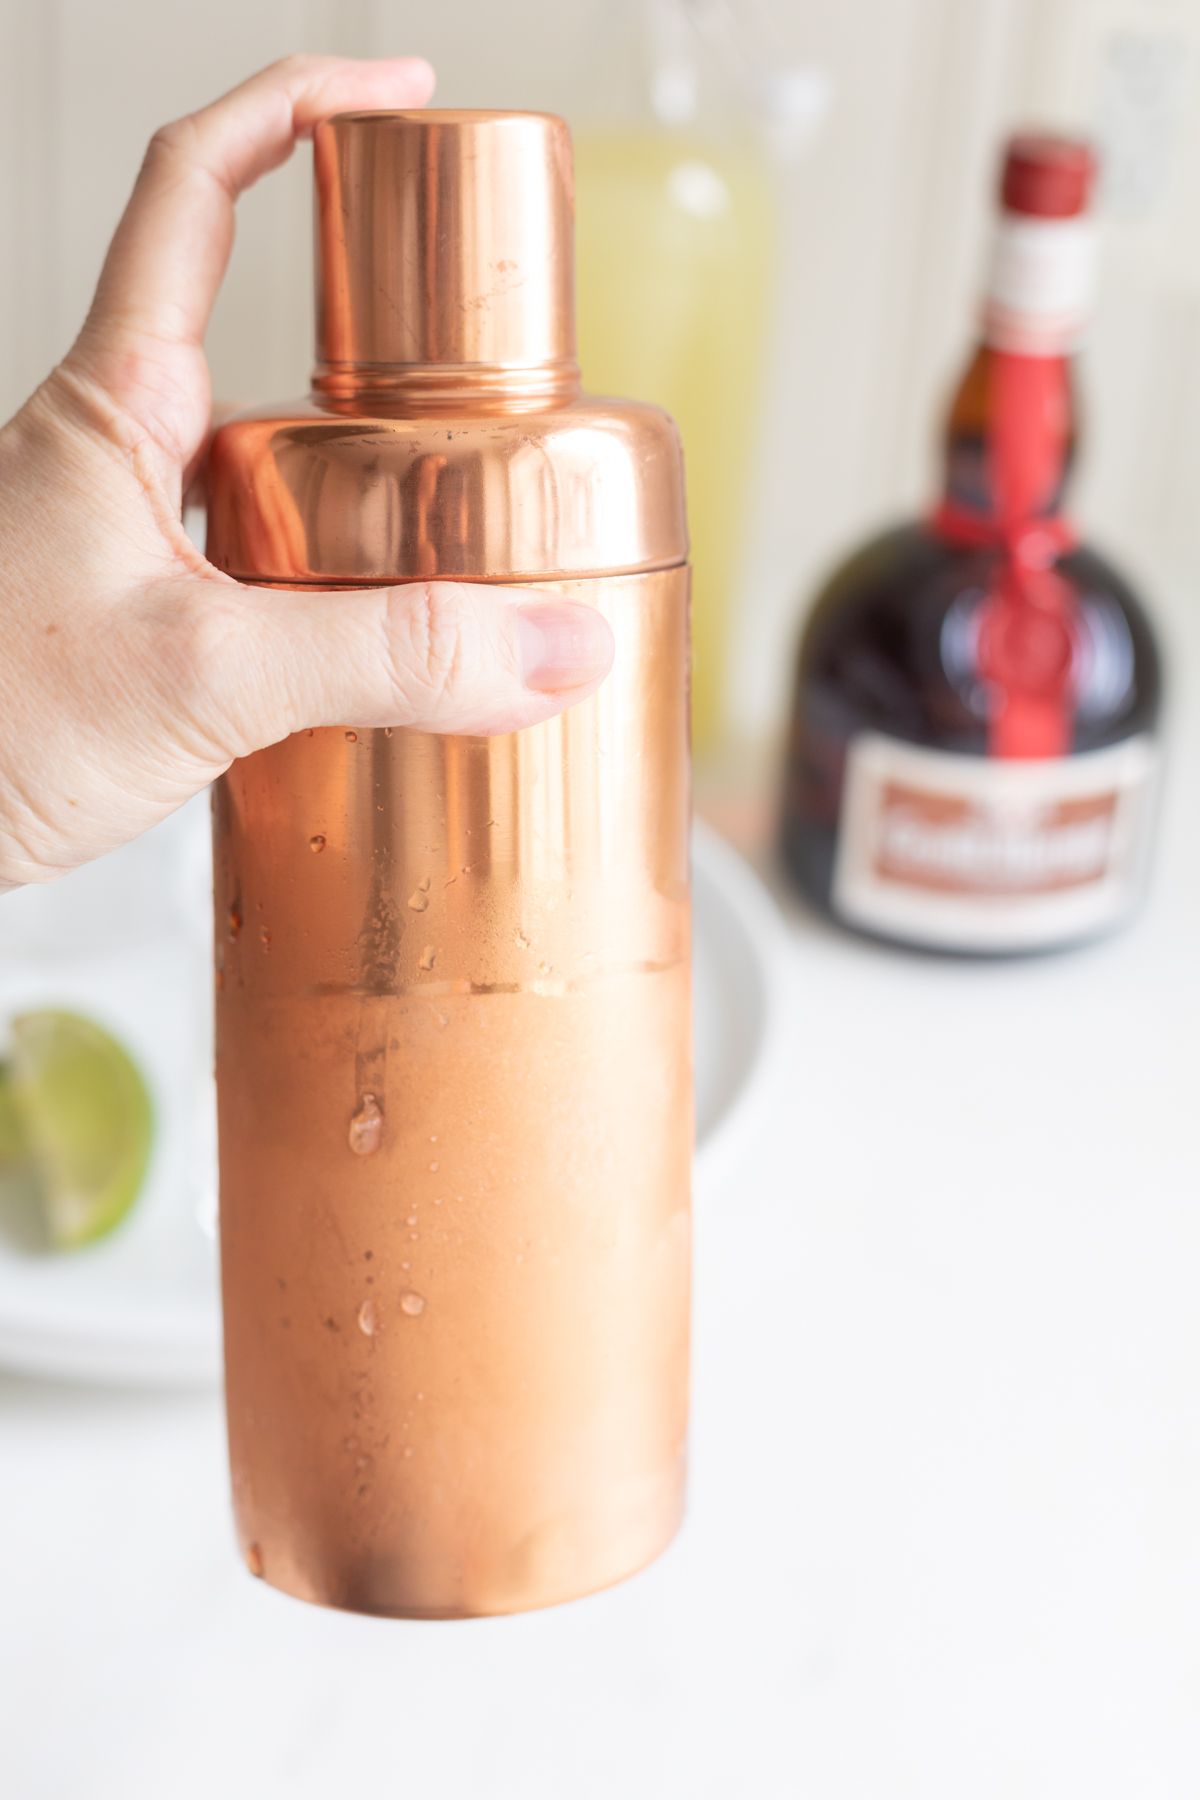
point(420, 389)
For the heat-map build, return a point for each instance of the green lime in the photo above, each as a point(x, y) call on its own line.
point(77, 1099)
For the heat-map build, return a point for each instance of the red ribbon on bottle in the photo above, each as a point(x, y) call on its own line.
point(1027, 634)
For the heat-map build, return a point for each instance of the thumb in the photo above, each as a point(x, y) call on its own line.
point(435, 655)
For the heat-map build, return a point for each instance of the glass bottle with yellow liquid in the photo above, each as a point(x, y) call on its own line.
point(677, 227)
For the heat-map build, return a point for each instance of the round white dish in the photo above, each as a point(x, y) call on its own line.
point(127, 941)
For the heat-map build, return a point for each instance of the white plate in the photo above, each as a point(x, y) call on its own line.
point(127, 940)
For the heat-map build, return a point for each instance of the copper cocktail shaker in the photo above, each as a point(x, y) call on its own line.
point(453, 973)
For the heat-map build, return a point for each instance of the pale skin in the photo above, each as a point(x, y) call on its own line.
point(133, 672)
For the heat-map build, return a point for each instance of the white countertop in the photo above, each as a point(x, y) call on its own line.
point(944, 1536)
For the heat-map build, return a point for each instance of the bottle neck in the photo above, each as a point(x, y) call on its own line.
point(1011, 434)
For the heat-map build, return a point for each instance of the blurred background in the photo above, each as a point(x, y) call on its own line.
point(943, 1529)
point(856, 146)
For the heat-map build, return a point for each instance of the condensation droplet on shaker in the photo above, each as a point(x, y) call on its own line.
point(434, 1167)
point(264, 937)
point(235, 921)
point(522, 941)
point(366, 1318)
point(254, 1559)
point(352, 737)
point(418, 900)
point(412, 1304)
point(366, 1126)
point(428, 957)
point(316, 844)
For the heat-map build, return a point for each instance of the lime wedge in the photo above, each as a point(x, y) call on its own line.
point(84, 1113)
point(14, 1149)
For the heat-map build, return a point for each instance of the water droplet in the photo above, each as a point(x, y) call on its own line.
point(441, 1019)
point(408, 1449)
point(434, 1167)
point(418, 900)
point(366, 1318)
point(254, 1559)
point(411, 1219)
point(235, 921)
point(438, 1199)
point(219, 979)
point(352, 737)
point(433, 1137)
point(420, 1395)
point(387, 731)
point(406, 1266)
point(316, 844)
point(522, 941)
point(366, 1126)
point(310, 732)
point(350, 1443)
point(412, 1304)
point(264, 938)
point(545, 968)
point(428, 957)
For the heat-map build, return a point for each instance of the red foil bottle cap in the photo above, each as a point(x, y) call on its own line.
point(1046, 176)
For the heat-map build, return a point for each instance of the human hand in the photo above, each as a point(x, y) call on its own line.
point(133, 671)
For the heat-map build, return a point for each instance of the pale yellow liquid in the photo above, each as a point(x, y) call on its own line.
point(675, 264)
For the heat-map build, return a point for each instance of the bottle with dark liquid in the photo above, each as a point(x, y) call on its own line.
point(973, 756)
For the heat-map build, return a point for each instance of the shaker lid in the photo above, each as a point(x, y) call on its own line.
point(445, 241)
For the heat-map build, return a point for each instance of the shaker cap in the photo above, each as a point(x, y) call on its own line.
point(444, 240)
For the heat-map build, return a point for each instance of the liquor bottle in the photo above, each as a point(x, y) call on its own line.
point(453, 1033)
point(973, 755)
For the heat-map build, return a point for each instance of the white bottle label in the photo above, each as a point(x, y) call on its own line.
point(1040, 284)
point(980, 853)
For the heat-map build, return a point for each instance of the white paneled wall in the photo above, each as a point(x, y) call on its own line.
point(886, 221)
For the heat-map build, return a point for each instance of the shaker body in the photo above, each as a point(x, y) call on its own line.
point(454, 1081)
point(453, 1032)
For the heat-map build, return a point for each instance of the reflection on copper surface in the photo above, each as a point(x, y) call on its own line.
point(453, 1032)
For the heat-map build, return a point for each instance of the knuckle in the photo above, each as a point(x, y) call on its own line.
point(203, 673)
point(296, 62)
point(166, 141)
point(428, 628)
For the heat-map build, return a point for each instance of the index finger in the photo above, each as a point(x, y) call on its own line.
point(170, 250)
